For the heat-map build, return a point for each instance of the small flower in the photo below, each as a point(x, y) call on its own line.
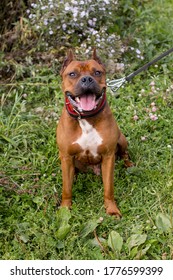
point(119, 66)
point(64, 26)
point(138, 51)
point(39, 110)
point(90, 22)
point(43, 8)
point(153, 117)
point(82, 14)
point(67, 7)
point(152, 83)
point(135, 117)
point(143, 138)
point(45, 22)
point(153, 89)
point(154, 109)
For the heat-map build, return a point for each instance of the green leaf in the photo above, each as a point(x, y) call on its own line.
point(136, 240)
point(62, 232)
point(163, 222)
point(89, 227)
point(115, 241)
point(60, 244)
point(142, 252)
point(133, 252)
point(94, 243)
point(63, 216)
point(22, 231)
point(38, 200)
point(24, 237)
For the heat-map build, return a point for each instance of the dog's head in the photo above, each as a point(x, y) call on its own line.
point(83, 81)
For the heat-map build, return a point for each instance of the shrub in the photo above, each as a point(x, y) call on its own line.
point(76, 23)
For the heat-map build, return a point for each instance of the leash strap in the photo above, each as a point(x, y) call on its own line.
point(144, 67)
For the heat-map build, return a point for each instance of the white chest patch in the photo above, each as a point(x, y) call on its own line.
point(90, 138)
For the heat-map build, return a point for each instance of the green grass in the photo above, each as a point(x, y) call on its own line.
point(31, 226)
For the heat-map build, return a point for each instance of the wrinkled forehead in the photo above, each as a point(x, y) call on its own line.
point(84, 66)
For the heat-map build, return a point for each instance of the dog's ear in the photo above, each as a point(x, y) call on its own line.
point(70, 57)
point(95, 57)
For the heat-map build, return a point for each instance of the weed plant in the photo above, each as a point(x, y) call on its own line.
point(76, 22)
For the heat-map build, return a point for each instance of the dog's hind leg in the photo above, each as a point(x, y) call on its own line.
point(122, 150)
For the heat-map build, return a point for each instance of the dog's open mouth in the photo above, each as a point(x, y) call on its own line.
point(85, 102)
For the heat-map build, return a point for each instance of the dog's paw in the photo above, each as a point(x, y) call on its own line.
point(112, 209)
point(128, 163)
point(66, 203)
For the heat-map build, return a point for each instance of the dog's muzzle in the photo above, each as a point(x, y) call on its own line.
point(85, 105)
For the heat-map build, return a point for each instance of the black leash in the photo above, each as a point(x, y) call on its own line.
point(116, 84)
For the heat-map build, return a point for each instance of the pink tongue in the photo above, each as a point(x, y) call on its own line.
point(87, 102)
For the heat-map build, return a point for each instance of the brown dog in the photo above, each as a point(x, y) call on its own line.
point(87, 133)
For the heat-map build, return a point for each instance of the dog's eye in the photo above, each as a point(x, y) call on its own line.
point(97, 73)
point(72, 74)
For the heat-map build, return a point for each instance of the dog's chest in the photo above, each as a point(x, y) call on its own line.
point(90, 139)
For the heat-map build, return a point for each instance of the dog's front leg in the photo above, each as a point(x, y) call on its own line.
point(68, 169)
point(108, 162)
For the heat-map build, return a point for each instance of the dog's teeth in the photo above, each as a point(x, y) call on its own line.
point(77, 99)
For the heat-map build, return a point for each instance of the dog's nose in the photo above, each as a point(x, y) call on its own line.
point(86, 81)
